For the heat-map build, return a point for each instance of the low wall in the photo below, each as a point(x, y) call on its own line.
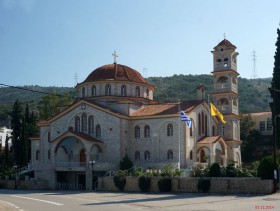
point(24, 184)
point(223, 185)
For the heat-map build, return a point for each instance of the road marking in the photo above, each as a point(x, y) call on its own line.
point(50, 202)
point(12, 205)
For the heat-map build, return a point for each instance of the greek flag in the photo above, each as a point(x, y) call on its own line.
point(186, 119)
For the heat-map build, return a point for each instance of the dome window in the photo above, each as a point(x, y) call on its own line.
point(108, 89)
point(137, 91)
point(123, 90)
point(83, 92)
point(93, 90)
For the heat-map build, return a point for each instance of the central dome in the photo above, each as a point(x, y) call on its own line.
point(116, 72)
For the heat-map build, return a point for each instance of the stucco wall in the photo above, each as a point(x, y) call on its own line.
point(224, 185)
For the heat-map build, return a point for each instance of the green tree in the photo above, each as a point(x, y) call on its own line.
point(275, 84)
point(246, 125)
point(16, 134)
point(49, 104)
point(126, 163)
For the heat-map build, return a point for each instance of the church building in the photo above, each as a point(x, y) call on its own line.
point(115, 114)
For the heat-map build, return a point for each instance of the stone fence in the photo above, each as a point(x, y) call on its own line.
point(24, 184)
point(223, 185)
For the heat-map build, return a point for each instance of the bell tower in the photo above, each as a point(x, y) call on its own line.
point(225, 96)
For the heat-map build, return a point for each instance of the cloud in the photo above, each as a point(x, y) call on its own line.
point(25, 5)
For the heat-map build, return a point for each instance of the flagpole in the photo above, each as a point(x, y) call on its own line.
point(209, 116)
point(179, 154)
point(179, 125)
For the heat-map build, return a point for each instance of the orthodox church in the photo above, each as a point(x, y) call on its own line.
point(114, 115)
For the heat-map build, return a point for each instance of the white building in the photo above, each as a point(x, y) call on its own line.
point(115, 114)
point(4, 133)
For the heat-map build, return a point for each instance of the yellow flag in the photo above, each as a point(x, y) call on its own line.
point(215, 112)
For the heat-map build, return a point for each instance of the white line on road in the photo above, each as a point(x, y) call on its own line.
point(12, 205)
point(50, 202)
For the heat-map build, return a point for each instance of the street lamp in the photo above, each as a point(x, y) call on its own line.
point(92, 162)
point(15, 167)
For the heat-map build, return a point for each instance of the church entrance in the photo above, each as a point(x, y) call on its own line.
point(69, 180)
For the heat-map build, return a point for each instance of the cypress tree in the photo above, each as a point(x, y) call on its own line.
point(16, 134)
point(275, 83)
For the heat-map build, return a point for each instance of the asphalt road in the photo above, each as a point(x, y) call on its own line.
point(19, 200)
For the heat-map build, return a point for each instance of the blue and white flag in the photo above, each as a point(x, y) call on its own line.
point(186, 119)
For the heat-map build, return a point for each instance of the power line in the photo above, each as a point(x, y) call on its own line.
point(30, 90)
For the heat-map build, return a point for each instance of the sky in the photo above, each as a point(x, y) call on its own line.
point(60, 42)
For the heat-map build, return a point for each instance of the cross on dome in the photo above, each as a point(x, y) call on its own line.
point(115, 56)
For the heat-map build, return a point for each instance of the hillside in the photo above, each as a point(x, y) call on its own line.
point(254, 94)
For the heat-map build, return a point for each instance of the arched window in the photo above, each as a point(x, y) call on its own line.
point(137, 155)
point(225, 59)
point(95, 152)
point(147, 131)
point(147, 155)
point(83, 92)
point(98, 131)
point(206, 125)
point(234, 81)
point(169, 154)
point(137, 131)
point(191, 129)
point(37, 154)
point(84, 123)
point(123, 90)
point(77, 124)
point(222, 80)
point(191, 155)
point(202, 118)
point(137, 91)
point(147, 93)
point(169, 130)
point(90, 124)
point(108, 89)
point(219, 60)
point(234, 102)
point(202, 156)
point(199, 124)
point(93, 90)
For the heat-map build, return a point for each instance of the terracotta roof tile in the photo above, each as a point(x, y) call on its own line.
point(225, 42)
point(209, 140)
point(115, 72)
point(167, 108)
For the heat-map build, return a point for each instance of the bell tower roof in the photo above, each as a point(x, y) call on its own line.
point(225, 43)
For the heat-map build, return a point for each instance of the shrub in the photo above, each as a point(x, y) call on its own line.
point(266, 168)
point(120, 180)
point(203, 185)
point(126, 163)
point(215, 170)
point(165, 184)
point(144, 183)
point(231, 171)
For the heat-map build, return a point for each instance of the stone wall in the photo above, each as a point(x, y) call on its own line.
point(25, 184)
point(223, 185)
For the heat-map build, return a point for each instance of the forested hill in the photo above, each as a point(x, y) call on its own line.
point(254, 94)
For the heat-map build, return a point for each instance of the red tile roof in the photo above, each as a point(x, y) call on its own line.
point(80, 135)
point(167, 108)
point(225, 42)
point(209, 140)
point(115, 72)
